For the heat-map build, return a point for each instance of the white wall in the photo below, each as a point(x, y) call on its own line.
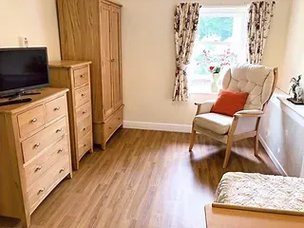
point(149, 58)
point(35, 19)
point(148, 49)
point(294, 51)
point(281, 133)
point(282, 128)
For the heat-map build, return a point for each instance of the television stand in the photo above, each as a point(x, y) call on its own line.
point(19, 94)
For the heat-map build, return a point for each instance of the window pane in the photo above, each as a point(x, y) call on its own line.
point(221, 42)
point(212, 28)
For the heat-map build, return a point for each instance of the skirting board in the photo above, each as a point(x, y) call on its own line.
point(272, 157)
point(157, 126)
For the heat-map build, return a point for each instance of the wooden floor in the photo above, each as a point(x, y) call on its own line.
point(145, 179)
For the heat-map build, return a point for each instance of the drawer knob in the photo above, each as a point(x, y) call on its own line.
point(38, 168)
point(41, 190)
point(82, 94)
point(84, 129)
point(59, 151)
point(36, 145)
point(56, 109)
point(84, 145)
point(84, 112)
point(112, 60)
point(82, 76)
point(59, 130)
point(61, 170)
point(33, 120)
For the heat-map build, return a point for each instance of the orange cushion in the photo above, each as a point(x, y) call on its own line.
point(229, 102)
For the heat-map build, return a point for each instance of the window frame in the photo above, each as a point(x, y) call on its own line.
point(235, 11)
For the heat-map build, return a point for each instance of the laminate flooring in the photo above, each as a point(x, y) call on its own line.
point(146, 179)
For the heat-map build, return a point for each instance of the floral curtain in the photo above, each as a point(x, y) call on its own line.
point(185, 27)
point(260, 16)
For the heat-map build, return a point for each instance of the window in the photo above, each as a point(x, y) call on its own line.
point(221, 42)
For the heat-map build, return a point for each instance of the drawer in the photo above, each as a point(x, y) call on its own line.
point(85, 144)
point(43, 139)
point(46, 183)
point(81, 76)
point(30, 120)
point(55, 153)
point(84, 127)
point(82, 95)
point(83, 111)
point(113, 124)
point(55, 108)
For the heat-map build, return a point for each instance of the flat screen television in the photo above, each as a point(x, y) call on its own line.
point(23, 69)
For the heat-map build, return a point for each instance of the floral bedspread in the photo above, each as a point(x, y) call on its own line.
point(261, 191)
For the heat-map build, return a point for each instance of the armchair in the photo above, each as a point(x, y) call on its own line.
point(259, 82)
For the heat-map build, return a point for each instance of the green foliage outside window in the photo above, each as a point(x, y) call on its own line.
point(213, 28)
point(222, 27)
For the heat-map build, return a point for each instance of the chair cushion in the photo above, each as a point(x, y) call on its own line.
point(257, 80)
point(229, 102)
point(215, 122)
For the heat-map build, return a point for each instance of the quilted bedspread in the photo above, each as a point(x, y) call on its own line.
point(261, 191)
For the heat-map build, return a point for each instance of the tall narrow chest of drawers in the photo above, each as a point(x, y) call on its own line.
point(34, 152)
point(75, 75)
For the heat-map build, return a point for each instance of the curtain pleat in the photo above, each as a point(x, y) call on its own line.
point(185, 26)
point(260, 16)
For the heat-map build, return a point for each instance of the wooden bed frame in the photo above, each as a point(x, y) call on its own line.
point(219, 216)
point(257, 209)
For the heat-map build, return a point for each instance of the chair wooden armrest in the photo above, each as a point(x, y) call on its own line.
point(249, 113)
point(204, 107)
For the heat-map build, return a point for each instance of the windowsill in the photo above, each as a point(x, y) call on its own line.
point(203, 93)
point(202, 86)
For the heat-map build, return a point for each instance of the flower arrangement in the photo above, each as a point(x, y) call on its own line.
point(222, 59)
point(214, 69)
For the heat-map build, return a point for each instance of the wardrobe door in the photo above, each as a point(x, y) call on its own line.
point(116, 56)
point(107, 81)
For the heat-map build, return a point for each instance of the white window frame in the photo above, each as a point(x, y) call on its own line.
point(235, 11)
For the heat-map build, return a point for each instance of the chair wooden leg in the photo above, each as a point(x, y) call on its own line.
point(228, 152)
point(192, 140)
point(256, 146)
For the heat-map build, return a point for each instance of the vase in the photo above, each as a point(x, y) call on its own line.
point(215, 82)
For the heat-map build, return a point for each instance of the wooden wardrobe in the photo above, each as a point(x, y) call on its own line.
point(91, 30)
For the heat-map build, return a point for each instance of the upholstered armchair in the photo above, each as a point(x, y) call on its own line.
point(259, 82)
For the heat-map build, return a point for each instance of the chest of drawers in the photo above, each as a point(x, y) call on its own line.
point(75, 75)
point(34, 152)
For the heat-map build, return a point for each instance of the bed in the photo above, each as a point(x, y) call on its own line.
point(258, 192)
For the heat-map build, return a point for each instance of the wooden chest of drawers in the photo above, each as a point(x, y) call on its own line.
point(34, 152)
point(76, 76)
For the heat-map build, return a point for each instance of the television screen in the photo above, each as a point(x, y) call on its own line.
point(23, 68)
